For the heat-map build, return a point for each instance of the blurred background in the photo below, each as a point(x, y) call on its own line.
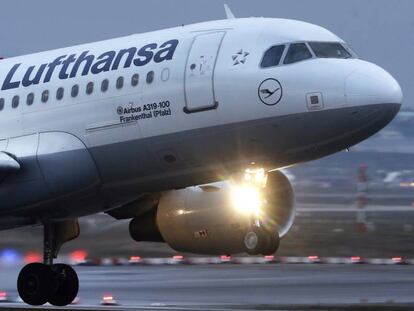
point(356, 203)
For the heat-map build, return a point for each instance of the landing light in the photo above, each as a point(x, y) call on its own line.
point(246, 195)
point(257, 176)
point(247, 199)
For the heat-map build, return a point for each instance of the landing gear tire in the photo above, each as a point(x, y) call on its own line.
point(254, 241)
point(34, 285)
point(272, 244)
point(67, 285)
point(259, 241)
point(57, 284)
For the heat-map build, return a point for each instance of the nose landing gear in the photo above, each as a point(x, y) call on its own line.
point(34, 284)
point(58, 284)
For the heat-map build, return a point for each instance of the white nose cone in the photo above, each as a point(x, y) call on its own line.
point(370, 84)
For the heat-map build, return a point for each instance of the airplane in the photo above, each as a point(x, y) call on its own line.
point(183, 130)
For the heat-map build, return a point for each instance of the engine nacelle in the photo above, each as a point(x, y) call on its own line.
point(207, 220)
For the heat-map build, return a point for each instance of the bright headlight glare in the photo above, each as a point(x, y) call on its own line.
point(257, 176)
point(247, 199)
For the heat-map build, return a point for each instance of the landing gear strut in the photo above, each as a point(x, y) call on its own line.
point(58, 284)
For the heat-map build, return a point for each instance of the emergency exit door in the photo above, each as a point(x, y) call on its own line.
point(199, 73)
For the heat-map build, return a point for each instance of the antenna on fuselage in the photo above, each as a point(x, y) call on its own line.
point(229, 13)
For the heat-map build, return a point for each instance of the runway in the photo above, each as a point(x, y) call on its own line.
point(237, 287)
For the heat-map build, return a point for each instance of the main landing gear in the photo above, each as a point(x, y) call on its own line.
point(58, 284)
point(259, 240)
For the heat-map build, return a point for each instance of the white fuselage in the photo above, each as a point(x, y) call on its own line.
point(183, 106)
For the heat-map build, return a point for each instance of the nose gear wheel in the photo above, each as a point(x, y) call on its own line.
point(58, 284)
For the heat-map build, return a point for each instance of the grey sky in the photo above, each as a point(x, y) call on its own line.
point(381, 31)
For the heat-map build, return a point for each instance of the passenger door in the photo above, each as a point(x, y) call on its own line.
point(199, 73)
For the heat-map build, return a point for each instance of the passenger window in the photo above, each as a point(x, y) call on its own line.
point(30, 99)
point(135, 80)
point(165, 74)
point(150, 77)
point(45, 96)
point(75, 90)
point(59, 93)
point(296, 53)
point(272, 56)
point(105, 85)
point(1, 104)
point(329, 50)
point(89, 88)
point(120, 83)
point(15, 101)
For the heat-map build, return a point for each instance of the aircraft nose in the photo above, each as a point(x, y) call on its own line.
point(370, 84)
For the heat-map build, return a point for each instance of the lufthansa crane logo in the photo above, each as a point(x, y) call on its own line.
point(270, 92)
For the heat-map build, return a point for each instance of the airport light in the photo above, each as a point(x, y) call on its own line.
point(178, 257)
point(135, 259)
point(78, 256)
point(225, 258)
point(357, 259)
point(270, 258)
point(3, 296)
point(108, 300)
point(397, 260)
point(314, 259)
point(10, 257)
point(32, 257)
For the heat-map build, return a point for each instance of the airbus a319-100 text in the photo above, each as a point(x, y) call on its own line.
point(182, 131)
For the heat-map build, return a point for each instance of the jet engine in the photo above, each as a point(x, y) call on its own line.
point(248, 214)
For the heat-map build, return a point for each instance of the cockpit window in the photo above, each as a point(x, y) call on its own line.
point(329, 50)
point(272, 56)
point(296, 53)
